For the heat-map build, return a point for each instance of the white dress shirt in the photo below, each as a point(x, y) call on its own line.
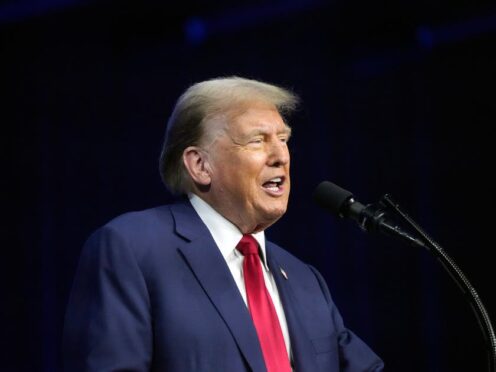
point(227, 236)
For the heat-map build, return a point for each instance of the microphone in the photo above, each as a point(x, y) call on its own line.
point(370, 217)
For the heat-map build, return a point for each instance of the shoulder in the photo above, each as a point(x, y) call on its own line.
point(142, 221)
point(134, 232)
point(158, 219)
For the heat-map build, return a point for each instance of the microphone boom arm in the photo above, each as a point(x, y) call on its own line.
point(460, 279)
point(373, 218)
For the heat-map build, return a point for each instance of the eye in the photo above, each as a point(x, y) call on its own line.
point(256, 140)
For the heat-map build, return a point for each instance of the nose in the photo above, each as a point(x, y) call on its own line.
point(279, 153)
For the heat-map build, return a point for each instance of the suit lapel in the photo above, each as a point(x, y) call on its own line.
point(210, 269)
point(301, 345)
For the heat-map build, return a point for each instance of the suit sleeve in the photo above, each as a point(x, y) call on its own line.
point(354, 354)
point(107, 325)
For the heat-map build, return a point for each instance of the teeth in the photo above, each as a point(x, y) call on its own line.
point(276, 180)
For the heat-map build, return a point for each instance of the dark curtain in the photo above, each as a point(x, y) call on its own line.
point(388, 107)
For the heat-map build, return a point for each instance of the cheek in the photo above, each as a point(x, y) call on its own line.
point(236, 180)
point(239, 171)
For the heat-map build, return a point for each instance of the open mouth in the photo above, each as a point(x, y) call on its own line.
point(274, 185)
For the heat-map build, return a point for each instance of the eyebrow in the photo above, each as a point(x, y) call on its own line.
point(287, 130)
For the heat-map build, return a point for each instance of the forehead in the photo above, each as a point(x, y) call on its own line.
point(245, 119)
point(256, 117)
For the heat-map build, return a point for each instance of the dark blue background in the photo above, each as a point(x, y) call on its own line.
point(398, 97)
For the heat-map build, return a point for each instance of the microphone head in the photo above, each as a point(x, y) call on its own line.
point(331, 197)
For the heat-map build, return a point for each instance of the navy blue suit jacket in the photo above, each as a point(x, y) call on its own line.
point(153, 293)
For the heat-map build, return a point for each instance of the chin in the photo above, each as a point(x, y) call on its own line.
point(274, 214)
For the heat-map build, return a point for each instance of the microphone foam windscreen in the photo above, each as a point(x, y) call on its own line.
point(331, 196)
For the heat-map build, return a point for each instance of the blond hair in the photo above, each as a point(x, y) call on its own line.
point(188, 122)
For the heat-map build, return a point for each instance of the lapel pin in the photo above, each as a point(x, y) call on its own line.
point(284, 274)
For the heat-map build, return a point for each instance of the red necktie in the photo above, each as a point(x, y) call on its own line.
point(262, 309)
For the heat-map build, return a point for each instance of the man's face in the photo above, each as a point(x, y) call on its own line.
point(249, 162)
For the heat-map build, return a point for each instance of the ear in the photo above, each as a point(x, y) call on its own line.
point(196, 162)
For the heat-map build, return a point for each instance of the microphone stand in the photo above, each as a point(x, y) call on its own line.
point(459, 278)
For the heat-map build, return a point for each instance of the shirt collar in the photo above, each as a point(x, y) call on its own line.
point(226, 235)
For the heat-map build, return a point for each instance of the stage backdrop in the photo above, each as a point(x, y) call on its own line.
point(396, 98)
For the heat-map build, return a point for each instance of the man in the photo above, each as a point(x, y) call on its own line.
point(194, 286)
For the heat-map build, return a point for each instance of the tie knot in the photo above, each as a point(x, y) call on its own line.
point(247, 245)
